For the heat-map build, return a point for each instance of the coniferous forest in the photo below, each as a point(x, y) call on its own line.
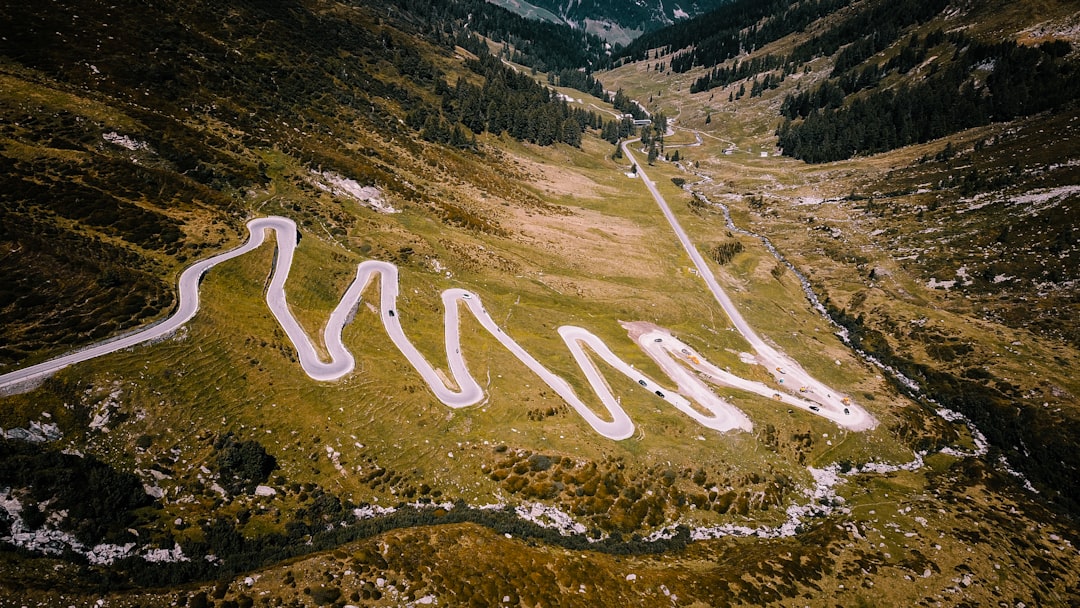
point(859, 109)
point(984, 83)
point(537, 44)
point(738, 27)
point(508, 102)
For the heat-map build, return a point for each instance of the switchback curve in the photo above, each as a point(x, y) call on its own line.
point(711, 411)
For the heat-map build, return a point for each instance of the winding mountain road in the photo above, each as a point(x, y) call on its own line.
point(674, 357)
point(836, 406)
point(615, 425)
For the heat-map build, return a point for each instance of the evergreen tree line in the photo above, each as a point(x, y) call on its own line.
point(508, 102)
point(722, 76)
point(623, 102)
point(744, 25)
point(577, 79)
point(652, 137)
point(615, 131)
point(827, 95)
point(717, 31)
point(914, 52)
point(733, 29)
point(538, 44)
point(831, 93)
point(629, 15)
point(876, 26)
point(1022, 81)
point(771, 81)
point(911, 54)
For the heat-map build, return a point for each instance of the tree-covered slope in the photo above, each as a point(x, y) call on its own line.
point(869, 106)
point(538, 44)
point(639, 15)
point(901, 72)
point(734, 28)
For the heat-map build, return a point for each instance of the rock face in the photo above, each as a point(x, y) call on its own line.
point(879, 273)
point(38, 432)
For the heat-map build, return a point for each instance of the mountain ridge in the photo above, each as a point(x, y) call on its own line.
point(618, 22)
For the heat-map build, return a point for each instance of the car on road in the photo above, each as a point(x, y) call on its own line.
point(815, 408)
point(659, 394)
point(846, 411)
point(642, 383)
point(391, 313)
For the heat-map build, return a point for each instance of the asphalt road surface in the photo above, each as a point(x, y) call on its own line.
point(829, 403)
point(672, 355)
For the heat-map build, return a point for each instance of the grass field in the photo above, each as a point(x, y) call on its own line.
point(593, 254)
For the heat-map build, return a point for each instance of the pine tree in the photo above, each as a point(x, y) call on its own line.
point(571, 133)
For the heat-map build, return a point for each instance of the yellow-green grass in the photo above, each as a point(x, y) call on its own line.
point(31, 89)
point(208, 394)
point(598, 254)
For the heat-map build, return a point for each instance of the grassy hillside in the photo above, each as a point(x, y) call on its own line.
point(909, 249)
point(280, 490)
